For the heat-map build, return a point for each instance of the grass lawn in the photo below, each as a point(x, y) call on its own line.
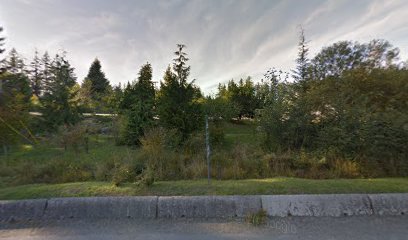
point(200, 187)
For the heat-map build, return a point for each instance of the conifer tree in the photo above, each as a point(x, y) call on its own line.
point(300, 74)
point(178, 105)
point(14, 63)
point(59, 104)
point(35, 75)
point(140, 105)
point(99, 83)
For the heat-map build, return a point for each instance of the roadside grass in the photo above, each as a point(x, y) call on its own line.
point(200, 187)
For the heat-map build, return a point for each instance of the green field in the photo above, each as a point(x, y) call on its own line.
point(200, 187)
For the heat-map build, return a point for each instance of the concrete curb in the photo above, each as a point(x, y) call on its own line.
point(22, 210)
point(101, 207)
point(389, 204)
point(153, 207)
point(208, 206)
point(332, 205)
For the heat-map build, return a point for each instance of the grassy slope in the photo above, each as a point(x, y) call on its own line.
point(242, 132)
point(200, 187)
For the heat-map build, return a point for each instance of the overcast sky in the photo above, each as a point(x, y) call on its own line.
point(225, 38)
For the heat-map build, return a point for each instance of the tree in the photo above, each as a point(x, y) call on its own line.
point(241, 95)
point(347, 55)
point(116, 98)
point(14, 63)
point(178, 101)
point(99, 83)
point(300, 74)
point(35, 75)
point(46, 71)
point(274, 114)
point(59, 102)
point(365, 118)
point(139, 106)
point(14, 105)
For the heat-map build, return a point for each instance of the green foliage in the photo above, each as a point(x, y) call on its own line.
point(74, 136)
point(96, 94)
point(138, 106)
point(157, 149)
point(274, 116)
point(301, 73)
point(98, 82)
point(220, 108)
point(15, 95)
point(14, 63)
point(147, 178)
point(347, 55)
point(365, 118)
point(353, 104)
point(59, 102)
point(241, 97)
point(178, 103)
point(36, 75)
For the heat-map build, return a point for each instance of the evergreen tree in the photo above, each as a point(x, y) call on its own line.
point(15, 96)
point(302, 61)
point(99, 83)
point(45, 71)
point(14, 63)
point(116, 98)
point(35, 75)
point(140, 106)
point(59, 104)
point(242, 96)
point(178, 105)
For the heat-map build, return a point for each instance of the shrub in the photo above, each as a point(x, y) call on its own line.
point(217, 135)
point(158, 146)
point(119, 127)
point(74, 136)
point(104, 170)
point(278, 164)
point(127, 169)
point(77, 172)
point(147, 178)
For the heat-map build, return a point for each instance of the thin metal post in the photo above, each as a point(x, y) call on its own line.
point(207, 143)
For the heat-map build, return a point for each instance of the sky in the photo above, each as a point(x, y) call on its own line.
point(225, 38)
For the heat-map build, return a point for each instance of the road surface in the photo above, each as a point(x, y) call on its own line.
point(372, 227)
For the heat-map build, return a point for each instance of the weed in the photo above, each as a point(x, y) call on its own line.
point(257, 219)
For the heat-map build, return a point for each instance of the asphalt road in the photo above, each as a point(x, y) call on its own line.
point(389, 228)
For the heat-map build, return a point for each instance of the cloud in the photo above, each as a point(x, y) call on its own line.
point(225, 39)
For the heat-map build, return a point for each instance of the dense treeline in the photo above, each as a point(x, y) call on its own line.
point(343, 110)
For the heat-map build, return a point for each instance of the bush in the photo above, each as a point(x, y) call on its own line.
point(147, 178)
point(279, 165)
point(104, 170)
point(73, 137)
point(119, 129)
point(158, 146)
